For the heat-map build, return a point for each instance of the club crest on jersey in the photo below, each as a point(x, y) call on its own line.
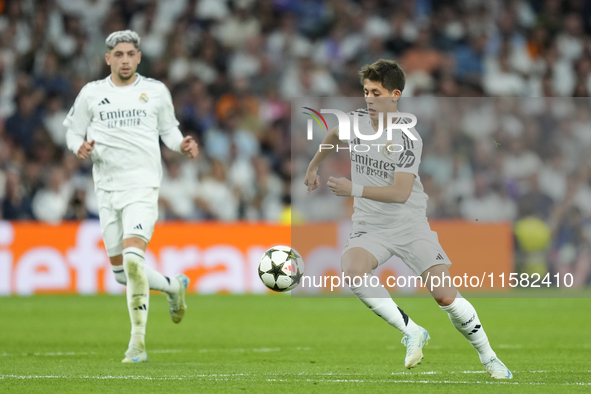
point(388, 150)
point(144, 98)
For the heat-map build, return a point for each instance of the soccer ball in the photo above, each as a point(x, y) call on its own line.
point(281, 268)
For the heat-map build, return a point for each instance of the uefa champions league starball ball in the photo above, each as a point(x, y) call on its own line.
point(281, 268)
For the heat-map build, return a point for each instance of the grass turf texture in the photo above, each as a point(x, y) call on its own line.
point(74, 344)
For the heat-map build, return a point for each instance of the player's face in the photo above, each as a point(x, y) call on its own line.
point(123, 59)
point(378, 98)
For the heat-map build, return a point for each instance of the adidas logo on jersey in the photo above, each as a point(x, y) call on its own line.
point(105, 101)
point(439, 257)
point(138, 227)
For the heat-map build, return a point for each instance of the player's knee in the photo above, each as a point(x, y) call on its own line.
point(357, 262)
point(444, 301)
point(133, 263)
point(133, 268)
point(350, 273)
point(135, 242)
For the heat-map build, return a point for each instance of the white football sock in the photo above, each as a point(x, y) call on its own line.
point(465, 319)
point(381, 303)
point(138, 292)
point(119, 273)
point(156, 280)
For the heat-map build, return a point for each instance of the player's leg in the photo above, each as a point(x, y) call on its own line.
point(425, 256)
point(138, 297)
point(174, 288)
point(461, 313)
point(110, 216)
point(357, 262)
point(464, 318)
point(156, 281)
point(117, 268)
point(138, 220)
point(138, 216)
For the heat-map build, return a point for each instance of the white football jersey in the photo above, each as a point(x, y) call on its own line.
point(125, 123)
point(376, 167)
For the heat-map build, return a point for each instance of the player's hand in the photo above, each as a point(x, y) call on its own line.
point(189, 147)
point(85, 149)
point(312, 180)
point(341, 187)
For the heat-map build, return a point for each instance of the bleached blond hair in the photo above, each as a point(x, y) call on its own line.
point(123, 36)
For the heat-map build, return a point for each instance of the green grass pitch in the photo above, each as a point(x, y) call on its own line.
point(275, 343)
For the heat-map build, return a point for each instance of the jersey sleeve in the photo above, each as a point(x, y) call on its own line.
point(166, 118)
point(410, 158)
point(78, 121)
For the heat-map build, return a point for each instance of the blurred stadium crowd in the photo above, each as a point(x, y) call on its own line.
point(233, 65)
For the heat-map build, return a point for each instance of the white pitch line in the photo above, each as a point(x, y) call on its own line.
point(123, 377)
point(416, 373)
point(433, 372)
point(34, 377)
point(166, 351)
point(431, 347)
point(256, 350)
point(448, 382)
point(37, 354)
point(162, 351)
point(215, 377)
point(284, 378)
point(58, 354)
point(267, 349)
point(510, 346)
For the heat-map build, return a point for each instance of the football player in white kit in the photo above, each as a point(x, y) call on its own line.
point(117, 121)
point(390, 218)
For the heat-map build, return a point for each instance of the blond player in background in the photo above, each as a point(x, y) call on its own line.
point(117, 121)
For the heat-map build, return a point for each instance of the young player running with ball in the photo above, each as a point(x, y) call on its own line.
point(390, 219)
point(117, 121)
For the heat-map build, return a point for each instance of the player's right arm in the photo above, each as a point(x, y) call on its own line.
point(77, 123)
point(332, 139)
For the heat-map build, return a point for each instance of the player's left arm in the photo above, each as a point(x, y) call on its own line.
point(398, 192)
point(174, 140)
point(169, 130)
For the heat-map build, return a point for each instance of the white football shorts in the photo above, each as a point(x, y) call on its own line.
point(412, 240)
point(126, 214)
